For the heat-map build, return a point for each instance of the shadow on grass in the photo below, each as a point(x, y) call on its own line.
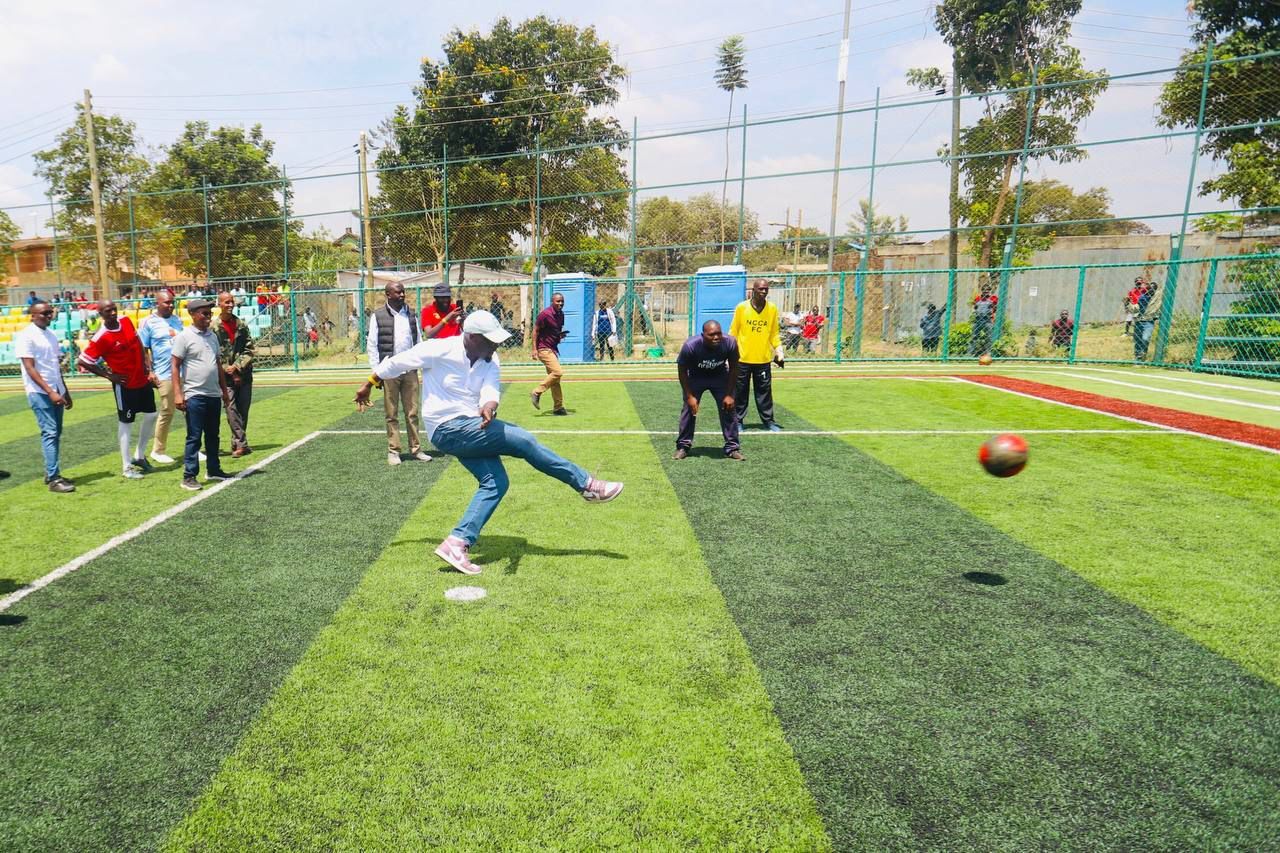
point(9, 620)
point(494, 550)
point(706, 453)
point(985, 578)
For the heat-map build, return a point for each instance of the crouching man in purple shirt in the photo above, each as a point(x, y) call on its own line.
point(708, 362)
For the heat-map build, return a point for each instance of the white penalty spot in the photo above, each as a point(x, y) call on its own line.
point(465, 593)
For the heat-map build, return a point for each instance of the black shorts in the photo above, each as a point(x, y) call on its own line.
point(131, 401)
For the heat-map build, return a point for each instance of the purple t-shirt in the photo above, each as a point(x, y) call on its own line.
point(702, 359)
point(547, 329)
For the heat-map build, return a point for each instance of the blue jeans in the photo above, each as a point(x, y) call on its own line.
point(203, 417)
point(481, 450)
point(49, 419)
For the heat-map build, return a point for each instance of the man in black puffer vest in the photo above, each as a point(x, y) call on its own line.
point(392, 330)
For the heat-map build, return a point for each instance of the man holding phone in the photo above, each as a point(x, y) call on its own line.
point(443, 317)
point(548, 332)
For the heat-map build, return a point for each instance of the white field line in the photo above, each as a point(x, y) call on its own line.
point(1160, 377)
point(811, 432)
point(1158, 426)
point(110, 545)
point(1190, 394)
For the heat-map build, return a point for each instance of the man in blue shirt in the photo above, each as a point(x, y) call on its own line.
point(157, 333)
point(708, 362)
point(606, 330)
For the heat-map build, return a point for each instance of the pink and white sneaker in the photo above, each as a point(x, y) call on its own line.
point(601, 491)
point(454, 551)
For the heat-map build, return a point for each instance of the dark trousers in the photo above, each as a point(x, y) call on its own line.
point(717, 385)
point(602, 344)
point(761, 377)
point(204, 415)
point(238, 412)
point(980, 338)
point(1142, 331)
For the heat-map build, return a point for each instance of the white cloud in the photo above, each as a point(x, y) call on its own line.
point(108, 69)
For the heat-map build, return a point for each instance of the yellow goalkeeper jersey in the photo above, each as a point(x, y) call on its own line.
point(756, 331)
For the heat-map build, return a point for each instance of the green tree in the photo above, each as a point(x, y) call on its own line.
point(731, 75)
point(1053, 202)
point(314, 260)
point(885, 230)
point(1241, 96)
point(686, 235)
point(122, 170)
point(998, 45)
point(246, 194)
point(9, 232)
point(1257, 329)
point(528, 159)
point(597, 255)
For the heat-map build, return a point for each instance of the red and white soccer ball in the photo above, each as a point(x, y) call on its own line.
point(1004, 455)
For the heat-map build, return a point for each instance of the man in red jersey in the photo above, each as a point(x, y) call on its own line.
point(127, 366)
point(443, 317)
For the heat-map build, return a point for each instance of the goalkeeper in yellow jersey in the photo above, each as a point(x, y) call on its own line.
point(755, 326)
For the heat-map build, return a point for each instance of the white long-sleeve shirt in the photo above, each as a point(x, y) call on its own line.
point(402, 336)
point(451, 385)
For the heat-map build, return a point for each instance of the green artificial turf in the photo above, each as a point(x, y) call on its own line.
point(943, 685)
point(600, 697)
point(1184, 527)
point(127, 683)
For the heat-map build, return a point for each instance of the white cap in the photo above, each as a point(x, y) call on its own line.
point(484, 323)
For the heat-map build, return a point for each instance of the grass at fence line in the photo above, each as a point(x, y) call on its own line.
point(45, 530)
point(600, 697)
point(944, 685)
point(127, 683)
point(1181, 526)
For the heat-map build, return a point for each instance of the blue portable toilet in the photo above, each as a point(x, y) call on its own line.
point(579, 291)
point(716, 292)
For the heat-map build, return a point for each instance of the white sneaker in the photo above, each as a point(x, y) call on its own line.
point(161, 459)
point(132, 473)
point(393, 458)
point(455, 552)
point(601, 491)
point(422, 456)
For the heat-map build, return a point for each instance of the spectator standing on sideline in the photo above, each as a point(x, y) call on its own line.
point(199, 390)
point(708, 362)
point(128, 368)
point(1131, 303)
point(931, 328)
point(310, 327)
point(47, 393)
point(459, 408)
point(393, 330)
point(755, 328)
point(548, 332)
point(157, 334)
point(984, 312)
point(793, 329)
point(812, 330)
point(237, 353)
point(32, 299)
point(443, 317)
point(606, 331)
point(1144, 320)
point(1060, 330)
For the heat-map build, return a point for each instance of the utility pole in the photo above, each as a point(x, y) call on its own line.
point(96, 191)
point(795, 237)
point(364, 203)
point(842, 74)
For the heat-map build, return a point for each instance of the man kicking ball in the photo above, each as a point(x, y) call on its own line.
point(459, 407)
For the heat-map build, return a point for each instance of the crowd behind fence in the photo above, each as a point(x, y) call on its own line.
point(498, 224)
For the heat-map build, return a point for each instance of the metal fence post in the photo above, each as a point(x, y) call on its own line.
point(871, 185)
point(742, 193)
point(444, 181)
point(859, 292)
point(537, 213)
point(133, 245)
point(57, 259)
point(284, 219)
point(629, 299)
point(1075, 329)
point(840, 322)
point(1175, 254)
point(1205, 311)
point(1002, 293)
point(946, 314)
point(293, 325)
point(208, 261)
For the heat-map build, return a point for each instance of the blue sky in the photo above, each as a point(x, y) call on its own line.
point(160, 64)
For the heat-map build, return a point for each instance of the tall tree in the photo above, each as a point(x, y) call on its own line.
point(686, 235)
point(9, 232)
point(122, 169)
point(246, 194)
point(1240, 96)
point(999, 45)
point(516, 104)
point(1052, 202)
point(731, 75)
point(884, 230)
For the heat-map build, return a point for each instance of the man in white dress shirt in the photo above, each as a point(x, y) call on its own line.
point(47, 394)
point(394, 330)
point(459, 408)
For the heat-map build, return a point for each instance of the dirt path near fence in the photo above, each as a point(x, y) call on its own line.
point(1252, 434)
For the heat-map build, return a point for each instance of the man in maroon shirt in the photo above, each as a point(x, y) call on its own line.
point(548, 332)
point(128, 367)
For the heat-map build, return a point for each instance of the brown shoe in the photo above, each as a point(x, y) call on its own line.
point(681, 453)
point(238, 452)
point(735, 455)
point(61, 485)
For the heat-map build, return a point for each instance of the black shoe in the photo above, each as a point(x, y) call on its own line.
point(4, 475)
point(681, 453)
point(61, 486)
point(146, 466)
point(216, 475)
point(561, 411)
point(191, 484)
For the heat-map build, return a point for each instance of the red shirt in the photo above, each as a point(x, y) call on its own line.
point(1136, 294)
point(431, 316)
point(121, 350)
point(812, 324)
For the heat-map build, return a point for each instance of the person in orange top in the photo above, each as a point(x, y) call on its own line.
point(443, 317)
